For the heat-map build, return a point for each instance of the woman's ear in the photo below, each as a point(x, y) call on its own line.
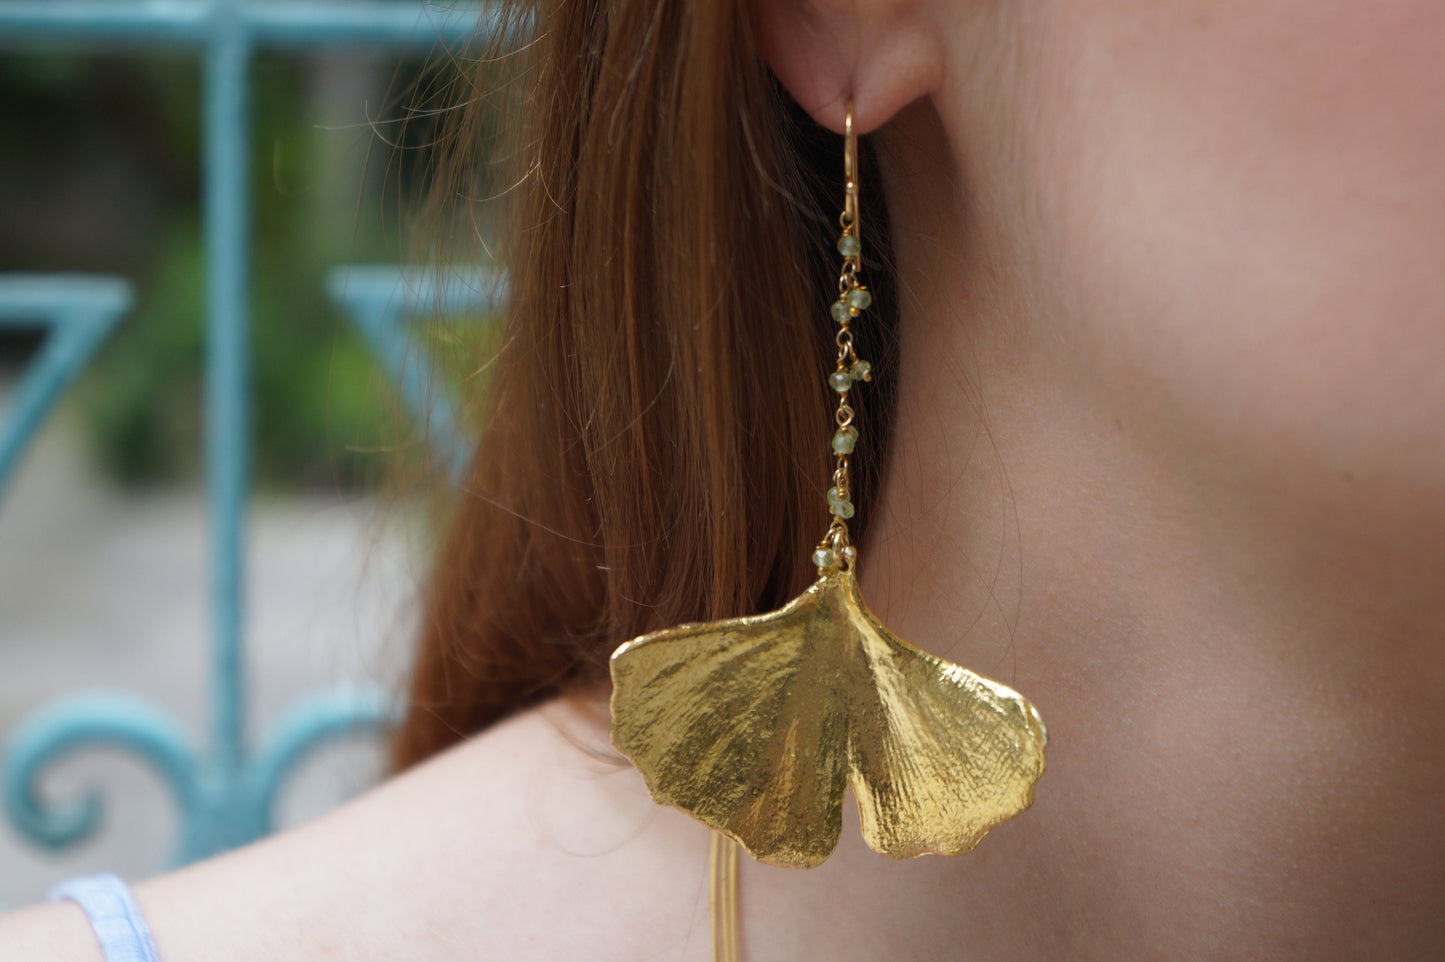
point(883, 53)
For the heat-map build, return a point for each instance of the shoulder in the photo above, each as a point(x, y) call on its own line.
point(532, 841)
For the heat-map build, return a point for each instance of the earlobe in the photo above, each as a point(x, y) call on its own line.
point(810, 51)
point(883, 53)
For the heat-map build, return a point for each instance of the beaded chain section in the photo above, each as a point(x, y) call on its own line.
point(835, 550)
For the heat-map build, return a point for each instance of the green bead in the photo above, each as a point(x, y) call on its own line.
point(840, 381)
point(849, 246)
point(843, 509)
point(845, 439)
point(860, 371)
point(841, 314)
point(859, 298)
point(824, 558)
point(836, 494)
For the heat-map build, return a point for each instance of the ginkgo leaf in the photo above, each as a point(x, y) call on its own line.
point(754, 725)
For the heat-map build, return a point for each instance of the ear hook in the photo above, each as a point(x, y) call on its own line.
point(849, 220)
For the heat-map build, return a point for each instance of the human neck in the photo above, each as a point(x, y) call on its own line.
point(1228, 696)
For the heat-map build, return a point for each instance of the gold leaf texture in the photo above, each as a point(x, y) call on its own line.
point(753, 726)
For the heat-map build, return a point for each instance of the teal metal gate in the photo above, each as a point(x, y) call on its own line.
point(224, 790)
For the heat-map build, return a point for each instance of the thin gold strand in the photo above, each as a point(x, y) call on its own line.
point(722, 857)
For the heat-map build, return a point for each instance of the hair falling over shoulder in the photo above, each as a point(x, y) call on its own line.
point(655, 442)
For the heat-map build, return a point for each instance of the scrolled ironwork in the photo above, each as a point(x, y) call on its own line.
point(84, 722)
point(307, 728)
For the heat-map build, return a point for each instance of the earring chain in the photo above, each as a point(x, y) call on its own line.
point(836, 551)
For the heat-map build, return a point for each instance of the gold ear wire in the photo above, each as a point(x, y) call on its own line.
point(849, 219)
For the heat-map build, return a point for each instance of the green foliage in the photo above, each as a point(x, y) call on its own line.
point(141, 396)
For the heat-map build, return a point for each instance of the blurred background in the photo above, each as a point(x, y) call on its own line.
point(105, 561)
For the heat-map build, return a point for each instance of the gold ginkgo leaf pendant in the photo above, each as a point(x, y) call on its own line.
point(755, 725)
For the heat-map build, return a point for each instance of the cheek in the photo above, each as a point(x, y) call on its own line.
point(1246, 201)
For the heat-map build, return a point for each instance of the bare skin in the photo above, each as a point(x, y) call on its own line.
point(1169, 460)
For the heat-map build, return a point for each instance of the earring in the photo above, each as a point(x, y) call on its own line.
point(755, 725)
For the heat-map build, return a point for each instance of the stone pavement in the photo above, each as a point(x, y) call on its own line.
point(100, 589)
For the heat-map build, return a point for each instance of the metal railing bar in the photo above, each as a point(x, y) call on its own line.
point(303, 23)
point(149, 22)
point(226, 147)
point(31, 297)
point(75, 312)
point(382, 301)
point(321, 25)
